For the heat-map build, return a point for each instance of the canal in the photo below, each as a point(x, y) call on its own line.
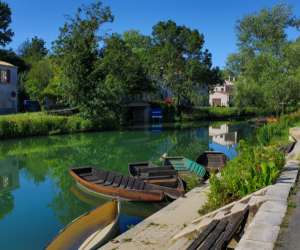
point(38, 197)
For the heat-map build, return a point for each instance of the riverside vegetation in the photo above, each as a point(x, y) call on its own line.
point(257, 165)
point(41, 123)
point(32, 124)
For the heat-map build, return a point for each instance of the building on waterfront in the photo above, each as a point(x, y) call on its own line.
point(8, 88)
point(221, 95)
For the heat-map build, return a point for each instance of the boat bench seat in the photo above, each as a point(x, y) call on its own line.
point(124, 181)
point(110, 179)
point(219, 233)
point(155, 169)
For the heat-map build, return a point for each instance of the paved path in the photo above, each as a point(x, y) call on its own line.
point(289, 237)
point(156, 231)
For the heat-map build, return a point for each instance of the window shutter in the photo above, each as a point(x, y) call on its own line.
point(8, 76)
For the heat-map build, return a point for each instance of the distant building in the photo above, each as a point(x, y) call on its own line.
point(221, 95)
point(8, 88)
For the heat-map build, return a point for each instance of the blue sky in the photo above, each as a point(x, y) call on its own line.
point(216, 19)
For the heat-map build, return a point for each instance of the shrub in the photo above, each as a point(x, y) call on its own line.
point(255, 167)
point(32, 124)
point(221, 113)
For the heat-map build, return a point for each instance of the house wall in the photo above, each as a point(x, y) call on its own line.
point(223, 97)
point(8, 102)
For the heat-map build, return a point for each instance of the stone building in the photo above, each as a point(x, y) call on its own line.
point(8, 88)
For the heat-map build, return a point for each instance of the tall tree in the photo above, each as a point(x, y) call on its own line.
point(265, 76)
point(6, 33)
point(33, 50)
point(179, 60)
point(77, 49)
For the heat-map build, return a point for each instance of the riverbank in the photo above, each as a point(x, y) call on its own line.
point(178, 224)
point(38, 124)
point(43, 124)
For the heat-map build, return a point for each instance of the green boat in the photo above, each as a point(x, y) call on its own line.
point(182, 164)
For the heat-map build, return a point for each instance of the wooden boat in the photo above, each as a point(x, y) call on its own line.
point(107, 183)
point(150, 173)
point(182, 164)
point(212, 160)
point(91, 230)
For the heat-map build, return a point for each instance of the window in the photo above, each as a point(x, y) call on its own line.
point(5, 76)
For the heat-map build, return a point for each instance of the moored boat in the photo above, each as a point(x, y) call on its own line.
point(89, 231)
point(107, 183)
point(150, 173)
point(184, 165)
point(212, 160)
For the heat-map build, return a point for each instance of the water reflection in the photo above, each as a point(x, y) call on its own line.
point(37, 193)
point(9, 180)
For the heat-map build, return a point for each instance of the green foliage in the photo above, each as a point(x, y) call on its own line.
point(267, 65)
point(5, 19)
point(275, 131)
point(33, 50)
point(192, 181)
point(254, 168)
point(33, 124)
point(178, 60)
point(221, 113)
point(38, 78)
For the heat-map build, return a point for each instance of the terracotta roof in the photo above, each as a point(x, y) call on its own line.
point(6, 64)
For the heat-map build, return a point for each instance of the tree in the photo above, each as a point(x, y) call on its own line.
point(5, 19)
point(123, 65)
point(33, 50)
point(43, 80)
point(178, 59)
point(77, 49)
point(264, 64)
point(266, 30)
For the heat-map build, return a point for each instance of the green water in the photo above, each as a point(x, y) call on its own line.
point(38, 197)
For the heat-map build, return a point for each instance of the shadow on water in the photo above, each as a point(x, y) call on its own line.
point(38, 197)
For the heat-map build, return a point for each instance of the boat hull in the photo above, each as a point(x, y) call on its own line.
point(126, 194)
point(74, 235)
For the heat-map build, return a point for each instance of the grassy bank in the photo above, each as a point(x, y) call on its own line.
point(221, 113)
point(34, 124)
point(257, 165)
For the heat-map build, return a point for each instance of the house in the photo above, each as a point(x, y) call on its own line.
point(8, 88)
point(221, 94)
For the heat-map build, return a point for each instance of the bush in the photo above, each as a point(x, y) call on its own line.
point(32, 124)
point(277, 131)
point(221, 113)
point(254, 168)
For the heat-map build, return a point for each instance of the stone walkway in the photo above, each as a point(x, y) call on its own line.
point(156, 231)
point(290, 228)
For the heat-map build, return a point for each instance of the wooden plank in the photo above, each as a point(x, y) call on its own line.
point(214, 235)
point(124, 181)
point(203, 235)
point(136, 184)
point(101, 178)
point(117, 181)
point(110, 179)
point(130, 182)
point(235, 222)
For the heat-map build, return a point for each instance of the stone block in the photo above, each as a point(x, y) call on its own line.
point(238, 207)
point(268, 218)
point(273, 206)
point(279, 191)
point(262, 232)
point(254, 245)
